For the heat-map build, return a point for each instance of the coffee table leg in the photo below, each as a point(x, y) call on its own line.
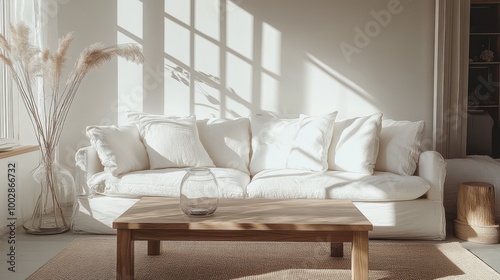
point(154, 247)
point(359, 255)
point(337, 250)
point(124, 255)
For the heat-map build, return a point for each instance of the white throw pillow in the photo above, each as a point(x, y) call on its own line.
point(355, 144)
point(400, 146)
point(171, 141)
point(119, 148)
point(310, 147)
point(272, 141)
point(227, 141)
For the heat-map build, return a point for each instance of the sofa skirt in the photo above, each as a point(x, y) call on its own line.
point(416, 219)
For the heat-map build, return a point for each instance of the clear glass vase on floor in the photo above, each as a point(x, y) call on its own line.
point(53, 207)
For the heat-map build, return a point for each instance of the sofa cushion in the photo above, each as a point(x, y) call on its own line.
point(272, 141)
point(399, 147)
point(165, 182)
point(300, 143)
point(293, 183)
point(355, 143)
point(119, 148)
point(171, 141)
point(227, 141)
point(310, 147)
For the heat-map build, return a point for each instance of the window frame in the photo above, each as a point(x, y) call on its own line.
point(9, 106)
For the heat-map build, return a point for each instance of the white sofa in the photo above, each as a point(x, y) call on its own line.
point(361, 159)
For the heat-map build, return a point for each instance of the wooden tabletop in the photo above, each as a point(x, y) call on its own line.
point(247, 214)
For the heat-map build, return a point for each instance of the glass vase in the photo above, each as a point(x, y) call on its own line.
point(53, 207)
point(199, 194)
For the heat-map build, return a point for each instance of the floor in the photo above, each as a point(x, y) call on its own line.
point(32, 251)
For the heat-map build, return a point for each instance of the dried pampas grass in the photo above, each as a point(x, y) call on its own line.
point(26, 62)
point(48, 112)
point(97, 53)
point(6, 60)
point(4, 44)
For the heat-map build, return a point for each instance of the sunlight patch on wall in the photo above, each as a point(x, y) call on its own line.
point(271, 69)
point(177, 89)
point(177, 41)
point(210, 68)
point(207, 81)
point(130, 91)
point(239, 30)
point(269, 100)
point(239, 86)
point(328, 90)
point(206, 56)
point(181, 10)
point(207, 18)
point(271, 49)
point(130, 16)
point(177, 48)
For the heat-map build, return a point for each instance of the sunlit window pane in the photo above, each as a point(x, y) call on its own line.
point(177, 41)
point(207, 66)
point(239, 86)
point(271, 49)
point(130, 90)
point(207, 18)
point(328, 90)
point(207, 57)
point(179, 9)
point(239, 30)
point(177, 94)
point(269, 98)
point(130, 16)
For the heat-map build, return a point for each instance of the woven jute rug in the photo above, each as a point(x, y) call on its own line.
point(95, 258)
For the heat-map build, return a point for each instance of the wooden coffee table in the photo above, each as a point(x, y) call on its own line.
point(302, 220)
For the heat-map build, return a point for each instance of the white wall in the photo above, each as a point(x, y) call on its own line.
point(279, 56)
point(91, 21)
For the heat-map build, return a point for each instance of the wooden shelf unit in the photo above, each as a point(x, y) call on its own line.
point(484, 75)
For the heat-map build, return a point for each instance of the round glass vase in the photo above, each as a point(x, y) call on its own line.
point(53, 207)
point(199, 194)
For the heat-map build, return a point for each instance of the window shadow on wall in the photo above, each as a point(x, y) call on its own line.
point(226, 58)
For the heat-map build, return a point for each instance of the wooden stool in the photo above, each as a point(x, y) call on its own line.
point(476, 213)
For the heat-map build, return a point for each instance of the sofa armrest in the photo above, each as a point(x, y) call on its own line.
point(432, 167)
point(87, 164)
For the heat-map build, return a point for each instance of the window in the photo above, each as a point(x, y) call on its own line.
point(8, 102)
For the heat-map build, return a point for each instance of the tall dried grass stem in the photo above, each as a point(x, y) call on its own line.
point(4, 44)
point(29, 65)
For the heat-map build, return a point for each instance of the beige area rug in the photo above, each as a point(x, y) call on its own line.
point(94, 258)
